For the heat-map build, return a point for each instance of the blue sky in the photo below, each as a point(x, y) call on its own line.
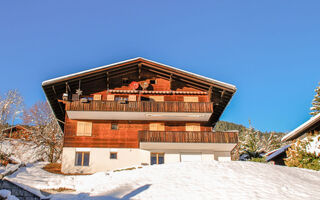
point(269, 49)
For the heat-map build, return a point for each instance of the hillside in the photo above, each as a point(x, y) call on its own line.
point(224, 126)
point(204, 180)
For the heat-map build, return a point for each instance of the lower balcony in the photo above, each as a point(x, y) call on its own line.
point(191, 140)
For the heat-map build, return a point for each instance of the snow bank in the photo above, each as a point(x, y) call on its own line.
point(206, 180)
point(7, 194)
point(22, 151)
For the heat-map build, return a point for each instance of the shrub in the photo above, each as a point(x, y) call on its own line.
point(298, 156)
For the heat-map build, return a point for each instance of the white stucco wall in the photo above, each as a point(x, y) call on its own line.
point(100, 158)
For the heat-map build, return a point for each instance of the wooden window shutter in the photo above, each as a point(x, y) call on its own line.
point(156, 127)
point(190, 99)
point(157, 98)
point(84, 128)
point(110, 97)
point(132, 98)
point(97, 97)
point(192, 126)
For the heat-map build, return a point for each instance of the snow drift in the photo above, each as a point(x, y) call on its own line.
point(206, 180)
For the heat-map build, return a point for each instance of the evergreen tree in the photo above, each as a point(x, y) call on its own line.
point(315, 109)
point(250, 141)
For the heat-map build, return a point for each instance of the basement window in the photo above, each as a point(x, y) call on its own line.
point(157, 158)
point(82, 158)
point(113, 155)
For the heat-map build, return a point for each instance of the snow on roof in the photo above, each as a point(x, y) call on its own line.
point(303, 127)
point(54, 80)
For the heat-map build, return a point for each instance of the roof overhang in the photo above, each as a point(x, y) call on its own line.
point(309, 125)
point(54, 88)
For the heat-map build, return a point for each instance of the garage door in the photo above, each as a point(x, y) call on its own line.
point(190, 157)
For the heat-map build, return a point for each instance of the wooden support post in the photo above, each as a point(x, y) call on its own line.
point(171, 75)
point(107, 80)
point(55, 93)
point(210, 94)
point(139, 70)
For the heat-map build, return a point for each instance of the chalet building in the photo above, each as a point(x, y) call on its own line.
point(17, 132)
point(138, 112)
point(309, 128)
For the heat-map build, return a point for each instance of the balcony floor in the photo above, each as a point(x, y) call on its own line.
point(187, 146)
point(156, 116)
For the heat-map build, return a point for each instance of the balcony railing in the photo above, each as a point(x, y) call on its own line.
point(141, 106)
point(188, 137)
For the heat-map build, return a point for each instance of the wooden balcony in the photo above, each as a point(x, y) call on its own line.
point(141, 106)
point(188, 137)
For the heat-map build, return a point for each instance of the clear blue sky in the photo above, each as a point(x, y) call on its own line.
point(269, 49)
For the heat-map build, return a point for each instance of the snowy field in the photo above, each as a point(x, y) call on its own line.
point(207, 180)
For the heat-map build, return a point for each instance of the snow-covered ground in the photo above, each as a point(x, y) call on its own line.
point(204, 180)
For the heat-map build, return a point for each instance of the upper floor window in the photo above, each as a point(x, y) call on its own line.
point(84, 128)
point(97, 97)
point(153, 81)
point(192, 126)
point(156, 127)
point(190, 99)
point(114, 126)
point(82, 158)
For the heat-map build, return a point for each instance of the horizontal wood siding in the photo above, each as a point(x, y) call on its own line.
point(143, 106)
point(188, 137)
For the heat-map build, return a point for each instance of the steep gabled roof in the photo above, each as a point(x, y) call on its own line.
point(105, 67)
point(312, 123)
point(54, 88)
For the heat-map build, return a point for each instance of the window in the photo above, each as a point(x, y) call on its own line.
point(121, 98)
point(190, 99)
point(110, 97)
point(192, 126)
point(82, 158)
point(132, 98)
point(157, 158)
point(84, 128)
point(97, 97)
point(152, 81)
point(113, 155)
point(156, 127)
point(114, 126)
point(157, 98)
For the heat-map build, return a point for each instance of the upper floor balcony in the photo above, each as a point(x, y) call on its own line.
point(218, 141)
point(140, 110)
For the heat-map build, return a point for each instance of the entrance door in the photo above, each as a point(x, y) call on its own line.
point(190, 157)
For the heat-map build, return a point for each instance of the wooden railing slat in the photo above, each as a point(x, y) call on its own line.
point(188, 136)
point(141, 106)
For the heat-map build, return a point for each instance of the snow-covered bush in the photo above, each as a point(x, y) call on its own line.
point(302, 154)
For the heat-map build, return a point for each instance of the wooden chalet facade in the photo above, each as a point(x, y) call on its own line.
point(138, 112)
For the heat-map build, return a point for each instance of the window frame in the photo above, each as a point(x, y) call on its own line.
point(82, 158)
point(157, 157)
point(113, 153)
point(116, 124)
